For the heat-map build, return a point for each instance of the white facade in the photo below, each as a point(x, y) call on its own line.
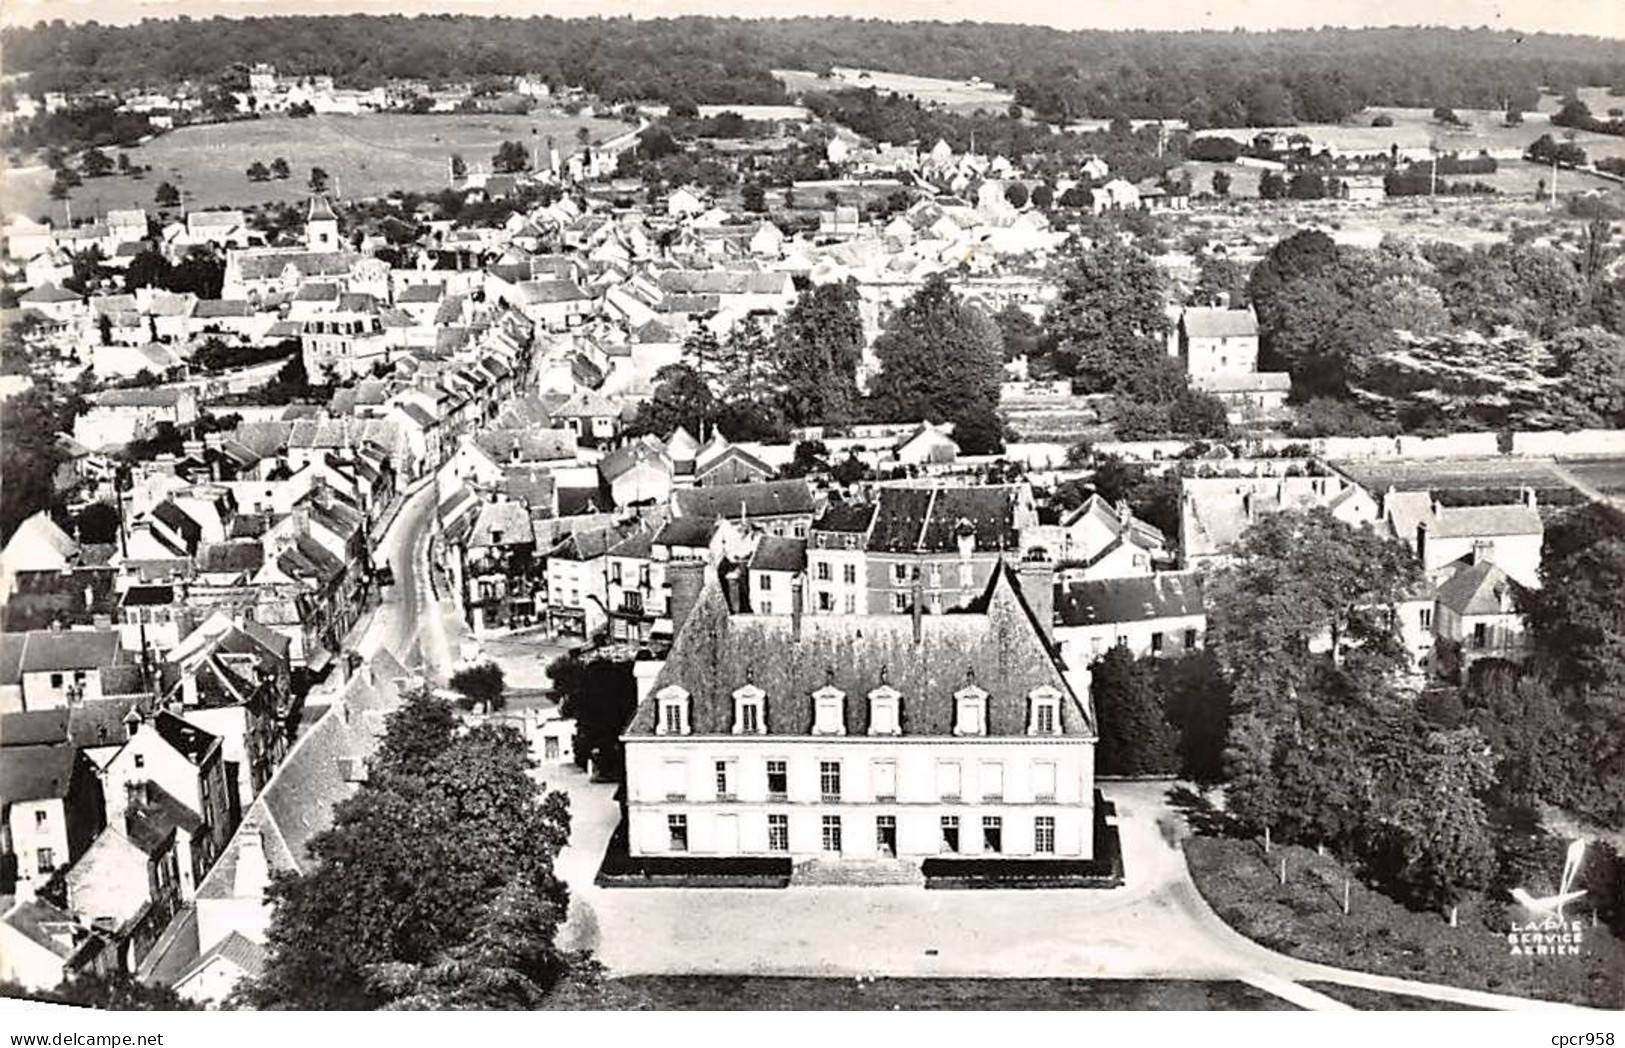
point(720, 786)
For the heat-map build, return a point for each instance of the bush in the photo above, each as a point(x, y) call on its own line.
point(483, 684)
point(1304, 918)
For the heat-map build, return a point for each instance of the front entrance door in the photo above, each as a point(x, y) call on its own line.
point(886, 836)
point(550, 747)
point(727, 835)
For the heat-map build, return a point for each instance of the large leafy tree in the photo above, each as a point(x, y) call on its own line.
point(1135, 735)
point(819, 345)
point(1592, 393)
point(436, 880)
point(682, 397)
point(1577, 616)
point(1307, 583)
point(1108, 317)
point(940, 359)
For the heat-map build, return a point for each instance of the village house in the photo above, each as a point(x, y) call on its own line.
point(837, 574)
point(50, 796)
point(64, 667)
point(499, 568)
point(1160, 615)
point(777, 507)
point(188, 764)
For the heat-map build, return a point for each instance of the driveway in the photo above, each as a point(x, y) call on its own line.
point(1155, 926)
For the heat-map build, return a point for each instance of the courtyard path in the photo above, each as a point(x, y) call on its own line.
point(1157, 926)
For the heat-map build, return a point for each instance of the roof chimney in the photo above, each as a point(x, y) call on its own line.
point(1422, 542)
point(1247, 505)
point(965, 532)
point(686, 578)
point(1037, 580)
point(1529, 498)
point(795, 608)
point(917, 609)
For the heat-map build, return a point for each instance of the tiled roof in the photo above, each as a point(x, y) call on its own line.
point(779, 554)
point(1478, 589)
point(1137, 599)
point(52, 650)
point(36, 773)
point(189, 740)
point(34, 727)
point(149, 822)
point(764, 499)
point(687, 532)
point(998, 650)
point(1206, 322)
point(929, 519)
point(502, 523)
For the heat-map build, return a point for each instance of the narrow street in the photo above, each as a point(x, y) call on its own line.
point(410, 622)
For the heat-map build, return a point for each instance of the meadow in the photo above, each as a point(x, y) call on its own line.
point(956, 95)
point(367, 155)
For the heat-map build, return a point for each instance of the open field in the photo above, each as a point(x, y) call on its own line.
point(369, 155)
point(1512, 178)
point(952, 94)
point(1416, 129)
point(732, 993)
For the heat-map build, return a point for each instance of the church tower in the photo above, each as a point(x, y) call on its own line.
point(322, 227)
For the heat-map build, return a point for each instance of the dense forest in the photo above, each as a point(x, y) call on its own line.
point(1206, 78)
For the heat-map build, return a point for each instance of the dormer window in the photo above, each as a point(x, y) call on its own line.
point(884, 705)
point(750, 711)
point(970, 711)
point(673, 711)
point(1044, 711)
point(829, 711)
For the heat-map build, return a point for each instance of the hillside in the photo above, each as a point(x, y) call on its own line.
point(1207, 78)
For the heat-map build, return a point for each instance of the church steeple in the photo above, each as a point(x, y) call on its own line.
point(321, 226)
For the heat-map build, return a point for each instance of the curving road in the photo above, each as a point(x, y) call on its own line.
point(411, 623)
point(1157, 926)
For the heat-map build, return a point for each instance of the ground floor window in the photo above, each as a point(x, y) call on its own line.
point(950, 834)
point(886, 836)
point(832, 834)
point(992, 834)
point(778, 833)
point(1044, 835)
point(677, 829)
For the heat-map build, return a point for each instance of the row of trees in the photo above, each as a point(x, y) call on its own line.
point(278, 169)
point(1328, 313)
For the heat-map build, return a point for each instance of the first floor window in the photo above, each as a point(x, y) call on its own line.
point(825, 601)
point(677, 831)
point(832, 833)
point(1044, 835)
point(950, 834)
point(992, 834)
point(47, 860)
point(899, 602)
point(1427, 618)
point(777, 779)
point(724, 781)
point(778, 833)
point(1481, 634)
point(676, 780)
point(1044, 781)
point(829, 779)
point(849, 574)
point(1156, 642)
